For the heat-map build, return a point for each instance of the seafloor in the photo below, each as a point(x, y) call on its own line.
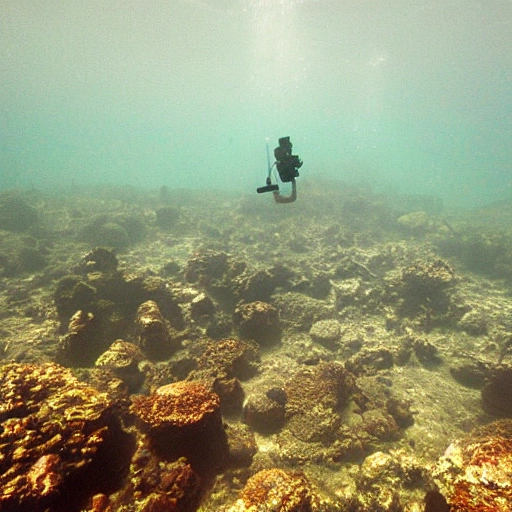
point(350, 351)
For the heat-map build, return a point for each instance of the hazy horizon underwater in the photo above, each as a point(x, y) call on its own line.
point(413, 97)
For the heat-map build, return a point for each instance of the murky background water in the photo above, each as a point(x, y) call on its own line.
point(412, 96)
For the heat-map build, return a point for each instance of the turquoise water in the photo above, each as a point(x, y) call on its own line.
point(410, 96)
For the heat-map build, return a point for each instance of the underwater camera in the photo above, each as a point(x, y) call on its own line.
point(287, 166)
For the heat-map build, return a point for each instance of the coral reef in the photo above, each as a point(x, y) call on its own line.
point(329, 336)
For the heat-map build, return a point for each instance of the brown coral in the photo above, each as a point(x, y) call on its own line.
point(184, 420)
point(157, 486)
point(474, 474)
point(276, 490)
point(55, 432)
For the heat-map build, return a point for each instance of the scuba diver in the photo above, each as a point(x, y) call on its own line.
point(287, 166)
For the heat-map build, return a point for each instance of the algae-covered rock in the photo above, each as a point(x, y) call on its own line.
point(258, 321)
point(326, 332)
point(423, 289)
point(387, 482)
point(156, 486)
point(428, 276)
point(100, 259)
point(315, 396)
point(497, 393)
point(113, 231)
point(228, 358)
point(112, 301)
point(328, 384)
point(300, 310)
point(263, 414)
point(123, 359)
point(15, 213)
point(167, 217)
point(21, 253)
point(241, 443)
point(415, 223)
point(81, 343)
point(154, 335)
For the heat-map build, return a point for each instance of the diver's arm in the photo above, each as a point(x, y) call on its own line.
point(278, 198)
